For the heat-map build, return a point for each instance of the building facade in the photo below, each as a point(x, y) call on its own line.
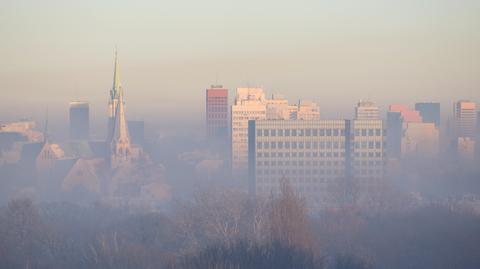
point(465, 118)
point(321, 159)
point(216, 108)
point(430, 112)
point(79, 120)
point(366, 110)
point(250, 104)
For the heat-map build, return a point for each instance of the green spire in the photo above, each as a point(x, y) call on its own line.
point(116, 79)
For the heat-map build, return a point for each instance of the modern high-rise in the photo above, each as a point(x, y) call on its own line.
point(249, 104)
point(397, 115)
point(321, 159)
point(366, 110)
point(465, 118)
point(79, 120)
point(430, 112)
point(307, 110)
point(216, 107)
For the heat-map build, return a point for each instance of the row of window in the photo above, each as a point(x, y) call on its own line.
point(317, 132)
point(301, 145)
point(315, 154)
point(307, 172)
point(300, 154)
point(300, 163)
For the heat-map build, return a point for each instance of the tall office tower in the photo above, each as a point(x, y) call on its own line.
point(308, 110)
point(136, 129)
point(465, 117)
point(114, 99)
point(216, 107)
point(430, 112)
point(317, 157)
point(420, 140)
point(465, 121)
point(79, 120)
point(249, 104)
point(366, 110)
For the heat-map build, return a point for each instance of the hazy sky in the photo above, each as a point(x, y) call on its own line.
point(334, 52)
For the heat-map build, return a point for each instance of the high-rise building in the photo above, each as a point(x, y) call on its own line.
point(366, 110)
point(307, 110)
point(278, 108)
point(249, 104)
point(217, 113)
point(79, 120)
point(430, 112)
point(465, 118)
point(319, 158)
point(397, 115)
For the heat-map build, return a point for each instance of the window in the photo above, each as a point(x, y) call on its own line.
point(364, 132)
point(287, 132)
point(370, 132)
point(280, 132)
point(322, 132)
point(294, 132)
point(335, 132)
point(259, 132)
point(308, 132)
point(329, 132)
point(273, 132)
point(265, 132)
point(315, 132)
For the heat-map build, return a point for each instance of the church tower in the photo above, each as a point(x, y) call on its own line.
point(114, 97)
point(121, 149)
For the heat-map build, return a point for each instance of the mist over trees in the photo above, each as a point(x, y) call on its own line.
point(226, 228)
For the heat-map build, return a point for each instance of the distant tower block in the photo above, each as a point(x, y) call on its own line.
point(217, 113)
point(366, 110)
point(79, 120)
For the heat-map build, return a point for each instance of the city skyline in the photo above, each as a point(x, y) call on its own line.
point(383, 52)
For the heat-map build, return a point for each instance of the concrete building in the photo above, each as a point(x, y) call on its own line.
point(249, 104)
point(279, 109)
point(307, 110)
point(79, 120)
point(216, 108)
point(465, 118)
point(366, 110)
point(319, 158)
point(397, 116)
point(430, 112)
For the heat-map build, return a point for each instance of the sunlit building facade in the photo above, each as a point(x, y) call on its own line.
point(366, 110)
point(319, 158)
point(249, 104)
point(216, 107)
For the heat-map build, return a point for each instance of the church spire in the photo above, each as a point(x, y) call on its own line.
point(116, 79)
